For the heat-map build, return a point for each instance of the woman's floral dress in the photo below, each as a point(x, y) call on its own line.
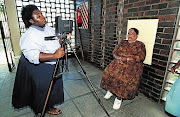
point(123, 79)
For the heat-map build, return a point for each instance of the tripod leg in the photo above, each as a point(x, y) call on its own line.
point(49, 91)
point(66, 54)
point(81, 44)
point(99, 100)
point(62, 64)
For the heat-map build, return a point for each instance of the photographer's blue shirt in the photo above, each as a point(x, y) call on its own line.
point(33, 42)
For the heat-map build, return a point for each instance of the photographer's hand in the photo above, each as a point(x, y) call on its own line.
point(48, 56)
point(60, 41)
point(68, 35)
point(59, 53)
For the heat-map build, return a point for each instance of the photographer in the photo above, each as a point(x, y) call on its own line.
point(36, 65)
point(172, 105)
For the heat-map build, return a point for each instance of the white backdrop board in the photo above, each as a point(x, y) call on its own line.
point(147, 34)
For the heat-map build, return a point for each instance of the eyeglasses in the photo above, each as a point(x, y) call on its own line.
point(131, 33)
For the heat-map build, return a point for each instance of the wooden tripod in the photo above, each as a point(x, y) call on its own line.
point(95, 92)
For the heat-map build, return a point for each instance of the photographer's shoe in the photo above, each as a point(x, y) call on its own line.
point(108, 95)
point(117, 103)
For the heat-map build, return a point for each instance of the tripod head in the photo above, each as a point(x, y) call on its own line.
point(58, 36)
point(65, 41)
point(63, 36)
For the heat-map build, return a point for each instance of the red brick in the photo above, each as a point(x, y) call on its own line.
point(124, 36)
point(162, 63)
point(125, 20)
point(173, 4)
point(140, 13)
point(138, 4)
point(128, 6)
point(171, 18)
point(145, 13)
point(112, 9)
point(168, 30)
point(161, 18)
point(160, 72)
point(124, 29)
point(152, 1)
point(125, 10)
point(164, 52)
point(166, 41)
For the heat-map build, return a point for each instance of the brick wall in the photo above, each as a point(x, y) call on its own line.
point(92, 48)
point(165, 10)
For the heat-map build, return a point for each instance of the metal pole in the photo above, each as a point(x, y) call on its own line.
point(4, 44)
point(99, 100)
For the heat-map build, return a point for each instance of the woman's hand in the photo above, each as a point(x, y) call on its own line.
point(123, 59)
point(59, 53)
point(118, 59)
point(173, 69)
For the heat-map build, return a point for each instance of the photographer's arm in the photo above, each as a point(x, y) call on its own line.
point(58, 54)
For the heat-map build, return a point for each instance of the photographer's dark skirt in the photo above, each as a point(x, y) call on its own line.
point(32, 84)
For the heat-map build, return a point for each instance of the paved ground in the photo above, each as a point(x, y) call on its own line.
point(80, 100)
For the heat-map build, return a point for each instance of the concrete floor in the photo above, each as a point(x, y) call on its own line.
point(80, 100)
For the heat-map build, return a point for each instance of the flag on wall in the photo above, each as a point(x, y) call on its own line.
point(83, 8)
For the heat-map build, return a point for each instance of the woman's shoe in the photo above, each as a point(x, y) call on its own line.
point(117, 103)
point(108, 95)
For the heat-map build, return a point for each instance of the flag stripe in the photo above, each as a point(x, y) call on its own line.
point(84, 15)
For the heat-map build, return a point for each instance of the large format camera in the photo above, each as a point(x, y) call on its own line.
point(63, 26)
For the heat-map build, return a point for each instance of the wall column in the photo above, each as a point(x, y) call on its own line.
point(13, 25)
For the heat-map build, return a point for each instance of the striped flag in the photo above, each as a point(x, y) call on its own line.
point(84, 15)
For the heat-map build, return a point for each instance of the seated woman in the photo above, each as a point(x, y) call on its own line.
point(173, 98)
point(122, 76)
